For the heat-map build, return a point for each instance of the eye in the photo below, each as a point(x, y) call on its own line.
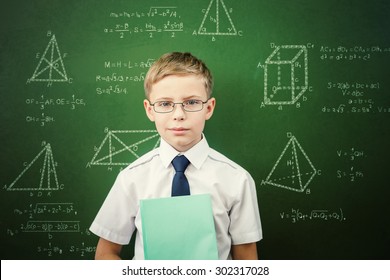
point(164, 104)
point(192, 102)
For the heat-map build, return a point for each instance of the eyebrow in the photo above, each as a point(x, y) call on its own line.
point(186, 98)
point(193, 97)
point(164, 99)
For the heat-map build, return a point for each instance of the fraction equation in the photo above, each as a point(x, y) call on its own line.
point(296, 215)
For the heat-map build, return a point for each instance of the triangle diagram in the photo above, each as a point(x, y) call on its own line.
point(293, 170)
point(305, 169)
point(44, 166)
point(122, 147)
point(51, 66)
point(217, 20)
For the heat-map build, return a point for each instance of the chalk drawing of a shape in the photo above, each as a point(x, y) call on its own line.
point(121, 147)
point(46, 171)
point(293, 170)
point(51, 66)
point(217, 20)
point(286, 75)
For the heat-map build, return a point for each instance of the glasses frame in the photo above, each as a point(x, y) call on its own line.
point(174, 104)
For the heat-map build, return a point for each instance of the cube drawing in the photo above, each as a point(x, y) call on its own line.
point(285, 75)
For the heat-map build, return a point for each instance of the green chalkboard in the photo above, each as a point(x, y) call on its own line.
point(303, 104)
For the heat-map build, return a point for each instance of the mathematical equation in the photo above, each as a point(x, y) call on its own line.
point(117, 74)
point(44, 103)
point(351, 154)
point(129, 64)
point(51, 250)
point(51, 226)
point(46, 217)
point(352, 157)
point(41, 119)
point(343, 53)
point(47, 209)
point(357, 97)
point(68, 233)
point(296, 215)
point(155, 20)
point(351, 174)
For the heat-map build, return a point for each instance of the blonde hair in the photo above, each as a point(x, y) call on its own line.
point(178, 63)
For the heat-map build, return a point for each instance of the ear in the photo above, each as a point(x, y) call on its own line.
point(149, 110)
point(210, 108)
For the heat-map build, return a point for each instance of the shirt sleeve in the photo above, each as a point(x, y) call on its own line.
point(115, 219)
point(245, 224)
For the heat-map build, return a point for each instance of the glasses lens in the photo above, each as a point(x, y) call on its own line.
point(163, 106)
point(193, 105)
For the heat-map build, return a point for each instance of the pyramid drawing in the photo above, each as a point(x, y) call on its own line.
point(217, 20)
point(293, 170)
point(121, 147)
point(51, 66)
point(42, 166)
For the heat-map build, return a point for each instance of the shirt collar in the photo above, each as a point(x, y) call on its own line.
point(196, 155)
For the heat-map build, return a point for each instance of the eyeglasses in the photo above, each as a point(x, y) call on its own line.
point(191, 105)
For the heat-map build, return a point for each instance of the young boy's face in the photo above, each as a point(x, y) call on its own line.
point(181, 129)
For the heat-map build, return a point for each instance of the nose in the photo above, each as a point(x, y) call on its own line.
point(178, 112)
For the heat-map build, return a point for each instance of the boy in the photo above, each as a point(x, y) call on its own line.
point(178, 90)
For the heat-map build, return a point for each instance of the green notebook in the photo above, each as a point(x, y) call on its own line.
point(178, 228)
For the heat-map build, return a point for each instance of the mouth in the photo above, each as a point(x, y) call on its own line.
point(178, 130)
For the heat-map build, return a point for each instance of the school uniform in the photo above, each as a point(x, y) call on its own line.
point(232, 191)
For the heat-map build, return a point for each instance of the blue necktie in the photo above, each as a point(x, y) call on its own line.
point(180, 184)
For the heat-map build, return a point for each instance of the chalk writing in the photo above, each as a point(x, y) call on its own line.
point(156, 20)
point(52, 250)
point(129, 64)
point(47, 209)
point(352, 157)
point(354, 53)
point(357, 97)
point(116, 75)
point(40, 119)
point(351, 154)
point(43, 102)
point(82, 250)
point(351, 174)
point(51, 226)
point(296, 215)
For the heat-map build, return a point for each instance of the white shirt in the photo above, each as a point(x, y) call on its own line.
point(232, 190)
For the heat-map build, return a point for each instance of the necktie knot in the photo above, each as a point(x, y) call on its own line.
point(180, 163)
